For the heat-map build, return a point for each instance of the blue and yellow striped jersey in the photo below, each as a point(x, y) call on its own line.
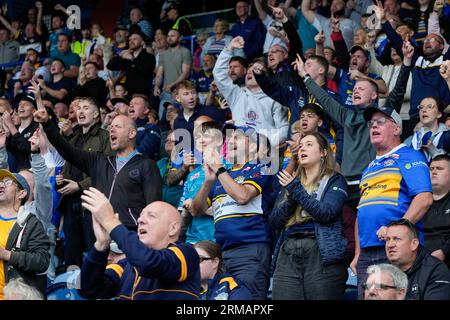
point(387, 187)
point(237, 224)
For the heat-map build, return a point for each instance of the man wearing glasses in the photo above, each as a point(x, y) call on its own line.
point(24, 243)
point(396, 184)
point(385, 282)
point(429, 278)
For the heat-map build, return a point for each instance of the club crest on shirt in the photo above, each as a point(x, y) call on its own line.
point(239, 179)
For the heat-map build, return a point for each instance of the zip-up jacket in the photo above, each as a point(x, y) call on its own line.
point(357, 143)
point(29, 245)
point(172, 273)
point(129, 190)
point(428, 278)
point(20, 147)
point(326, 212)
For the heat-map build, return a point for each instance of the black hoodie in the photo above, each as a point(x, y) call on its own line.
point(129, 190)
point(428, 278)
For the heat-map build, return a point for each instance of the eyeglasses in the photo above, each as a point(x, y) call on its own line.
point(378, 286)
point(6, 183)
point(427, 107)
point(438, 40)
point(380, 121)
point(205, 258)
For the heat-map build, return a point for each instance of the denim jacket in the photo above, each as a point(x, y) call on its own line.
point(326, 210)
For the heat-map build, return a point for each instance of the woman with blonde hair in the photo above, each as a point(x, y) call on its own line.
point(309, 256)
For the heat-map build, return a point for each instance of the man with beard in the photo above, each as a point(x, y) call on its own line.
point(321, 23)
point(137, 63)
point(204, 77)
point(174, 67)
point(120, 37)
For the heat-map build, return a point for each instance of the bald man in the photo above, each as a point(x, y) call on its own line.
point(130, 180)
point(156, 267)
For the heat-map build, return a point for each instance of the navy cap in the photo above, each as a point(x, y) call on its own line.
point(390, 112)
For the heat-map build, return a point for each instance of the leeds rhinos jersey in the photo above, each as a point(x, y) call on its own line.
point(387, 187)
point(237, 224)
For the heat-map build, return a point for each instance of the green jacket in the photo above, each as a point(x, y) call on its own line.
point(96, 140)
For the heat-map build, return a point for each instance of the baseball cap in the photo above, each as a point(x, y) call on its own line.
point(171, 5)
point(115, 248)
point(119, 100)
point(358, 47)
point(120, 27)
point(246, 130)
point(19, 179)
point(24, 97)
point(388, 111)
point(166, 100)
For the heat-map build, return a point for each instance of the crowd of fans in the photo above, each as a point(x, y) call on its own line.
point(308, 140)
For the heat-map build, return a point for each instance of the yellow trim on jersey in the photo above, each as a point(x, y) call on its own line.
point(253, 183)
point(165, 290)
point(183, 262)
point(380, 171)
point(221, 195)
point(208, 201)
point(153, 291)
point(394, 203)
point(236, 216)
point(116, 268)
point(231, 282)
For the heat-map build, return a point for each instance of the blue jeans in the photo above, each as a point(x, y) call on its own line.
point(368, 257)
point(250, 263)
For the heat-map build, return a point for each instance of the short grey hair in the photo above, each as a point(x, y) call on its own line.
point(17, 289)
point(399, 278)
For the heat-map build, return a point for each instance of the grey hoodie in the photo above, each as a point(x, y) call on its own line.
point(251, 109)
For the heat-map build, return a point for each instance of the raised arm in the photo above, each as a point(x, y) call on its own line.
point(43, 189)
point(295, 43)
point(444, 70)
point(83, 160)
point(220, 72)
point(336, 111)
point(261, 12)
point(395, 98)
point(340, 47)
point(307, 12)
point(39, 7)
point(7, 25)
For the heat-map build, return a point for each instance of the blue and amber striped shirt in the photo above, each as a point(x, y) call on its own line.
point(387, 187)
